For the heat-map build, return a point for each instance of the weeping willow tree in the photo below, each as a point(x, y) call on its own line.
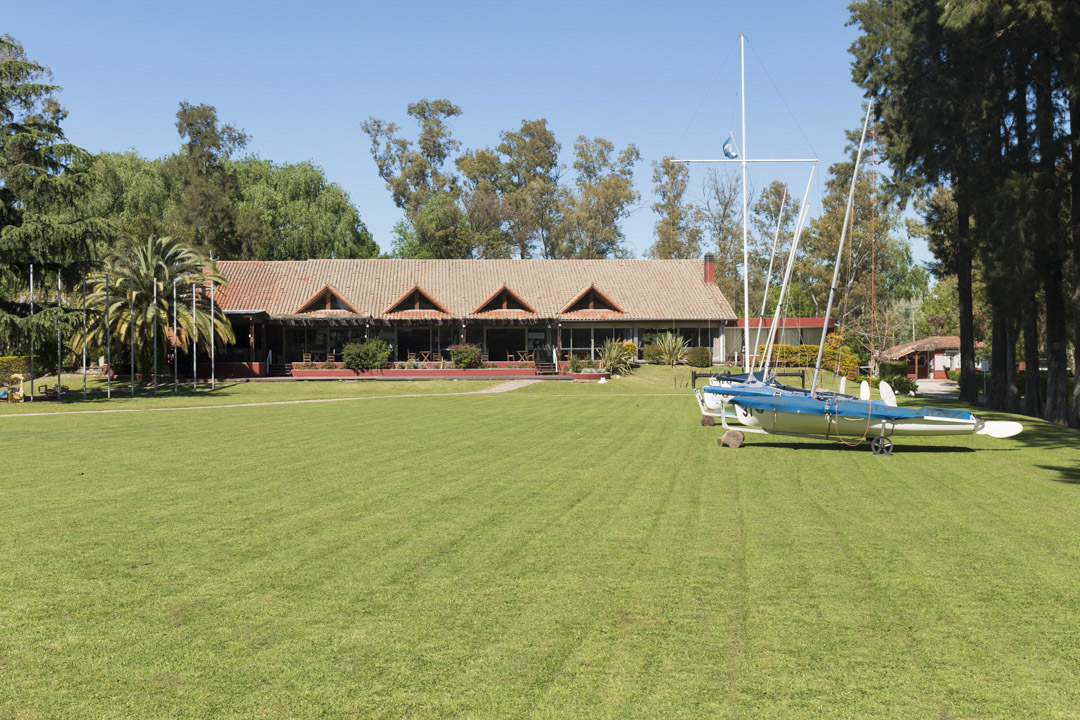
point(121, 298)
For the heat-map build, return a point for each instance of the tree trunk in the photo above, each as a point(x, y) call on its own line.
point(1012, 392)
point(1057, 409)
point(1032, 397)
point(999, 359)
point(1074, 122)
point(1052, 242)
point(969, 388)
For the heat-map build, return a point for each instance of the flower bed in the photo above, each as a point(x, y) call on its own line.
point(587, 376)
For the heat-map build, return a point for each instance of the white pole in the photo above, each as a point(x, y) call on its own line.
point(108, 343)
point(768, 275)
point(194, 340)
point(840, 248)
point(745, 252)
point(211, 334)
point(175, 360)
point(31, 332)
point(59, 346)
point(84, 335)
point(131, 329)
point(153, 319)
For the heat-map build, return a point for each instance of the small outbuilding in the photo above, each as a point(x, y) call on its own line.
point(929, 357)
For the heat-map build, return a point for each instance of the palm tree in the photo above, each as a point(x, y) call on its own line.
point(127, 279)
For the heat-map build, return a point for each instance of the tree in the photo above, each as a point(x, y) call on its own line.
point(720, 216)
point(40, 185)
point(204, 190)
point(876, 267)
point(414, 173)
point(604, 194)
point(770, 225)
point(292, 212)
point(908, 61)
point(532, 172)
point(131, 271)
point(677, 232)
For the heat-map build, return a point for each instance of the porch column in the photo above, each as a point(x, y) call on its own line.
point(251, 341)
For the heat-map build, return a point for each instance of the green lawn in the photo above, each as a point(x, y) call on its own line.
point(226, 393)
point(558, 551)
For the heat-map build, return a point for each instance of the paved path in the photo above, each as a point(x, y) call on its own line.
point(504, 387)
point(944, 389)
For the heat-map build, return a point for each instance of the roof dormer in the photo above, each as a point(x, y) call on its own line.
point(326, 299)
point(416, 299)
point(591, 299)
point(504, 299)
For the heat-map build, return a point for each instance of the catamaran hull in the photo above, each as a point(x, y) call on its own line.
point(776, 421)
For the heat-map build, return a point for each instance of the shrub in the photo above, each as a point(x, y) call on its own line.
point(331, 366)
point(891, 368)
point(371, 355)
point(902, 384)
point(305, 366)
point(465, 356)
point(574, 364)
point(651, 354)
point(631, 350)
point(616, 358)
point(672, 348)
point(14, 364)
point(700, 357)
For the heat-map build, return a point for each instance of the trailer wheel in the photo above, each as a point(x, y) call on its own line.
point(881, 445)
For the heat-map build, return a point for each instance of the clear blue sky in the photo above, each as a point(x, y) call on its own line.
point(300, 78)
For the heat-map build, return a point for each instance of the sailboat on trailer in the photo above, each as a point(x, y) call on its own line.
point(760, 404)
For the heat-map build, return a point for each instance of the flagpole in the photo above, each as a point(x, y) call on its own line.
point(175, 361)
point(59, 348)
point(212, 334)
point(84, 335)
point(108, 343)
point(131, 330)
point(31, 332)
point(153, 319)
point(194, 341)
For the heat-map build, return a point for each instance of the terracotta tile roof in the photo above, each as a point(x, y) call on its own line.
point(643, 289)
point(928, 344)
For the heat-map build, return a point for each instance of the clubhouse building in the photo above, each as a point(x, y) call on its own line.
point(286, 312)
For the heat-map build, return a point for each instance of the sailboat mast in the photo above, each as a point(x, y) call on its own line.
point(745, 251)
point(840, 249)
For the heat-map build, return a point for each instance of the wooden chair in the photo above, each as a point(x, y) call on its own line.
point(330, 356)
point(307, 357)
point(412, 356)
point(483, 357)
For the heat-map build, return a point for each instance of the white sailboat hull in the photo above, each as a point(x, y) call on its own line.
point(828, 425)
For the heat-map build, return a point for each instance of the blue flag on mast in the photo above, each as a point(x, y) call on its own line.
point(729, 152)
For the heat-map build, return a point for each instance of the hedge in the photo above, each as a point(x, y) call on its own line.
point(13, 364)
point(806, 356)
point(889, 368)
